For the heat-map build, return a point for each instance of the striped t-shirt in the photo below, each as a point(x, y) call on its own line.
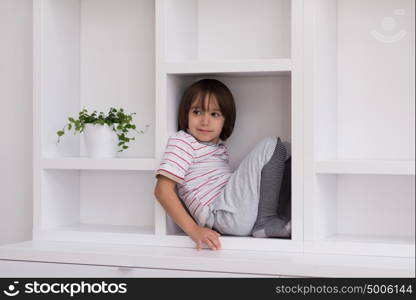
point(201, 170)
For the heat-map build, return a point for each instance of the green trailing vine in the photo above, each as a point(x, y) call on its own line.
point(117, 118)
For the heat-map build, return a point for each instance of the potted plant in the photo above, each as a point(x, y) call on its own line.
point(105, 135)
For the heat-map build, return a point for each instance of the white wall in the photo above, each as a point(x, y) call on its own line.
point(15, 120)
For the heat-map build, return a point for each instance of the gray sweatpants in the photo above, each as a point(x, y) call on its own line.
point(234, 212)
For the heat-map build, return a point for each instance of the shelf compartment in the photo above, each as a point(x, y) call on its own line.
point(93, 54)
point(374, 210)
point(381, 167)
point(227, 29)
point(361, 87)
point(239, 67)
point(265, 96)
point(83, 202)
point(84, 163)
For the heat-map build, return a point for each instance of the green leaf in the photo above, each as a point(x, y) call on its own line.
point(116, 118)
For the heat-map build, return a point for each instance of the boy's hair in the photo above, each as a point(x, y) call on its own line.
point(199, 91)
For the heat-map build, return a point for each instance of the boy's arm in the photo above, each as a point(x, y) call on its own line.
point(166, 195)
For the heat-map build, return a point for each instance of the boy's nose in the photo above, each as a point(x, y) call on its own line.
point(205, 119)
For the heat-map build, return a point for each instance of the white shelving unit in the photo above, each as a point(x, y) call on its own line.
point(318, 73)
point(359, 127)
point(141, 55)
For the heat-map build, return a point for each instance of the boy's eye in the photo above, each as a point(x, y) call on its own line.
point(216, 115)
point(196, 112)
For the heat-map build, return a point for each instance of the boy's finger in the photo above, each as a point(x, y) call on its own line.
point(216, 242)
point(210, 244)
point(219, 245)
point(198, 245)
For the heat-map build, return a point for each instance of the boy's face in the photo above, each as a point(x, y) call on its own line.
point(205, 123)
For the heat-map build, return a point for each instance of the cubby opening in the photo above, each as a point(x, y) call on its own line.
point(95, 54)
point(364, 99)
point(86, 201)
point(263, 104)
point(227, 29)
point(365, 209)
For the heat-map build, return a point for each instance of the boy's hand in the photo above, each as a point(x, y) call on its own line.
point(205, 235)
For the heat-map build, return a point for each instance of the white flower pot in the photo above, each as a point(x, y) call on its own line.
point(100, 141)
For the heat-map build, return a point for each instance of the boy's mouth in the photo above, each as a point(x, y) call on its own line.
point(204, 131)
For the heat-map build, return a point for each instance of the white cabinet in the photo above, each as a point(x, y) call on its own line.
point(333, 77)
point(16, 269)
point(93, 256)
